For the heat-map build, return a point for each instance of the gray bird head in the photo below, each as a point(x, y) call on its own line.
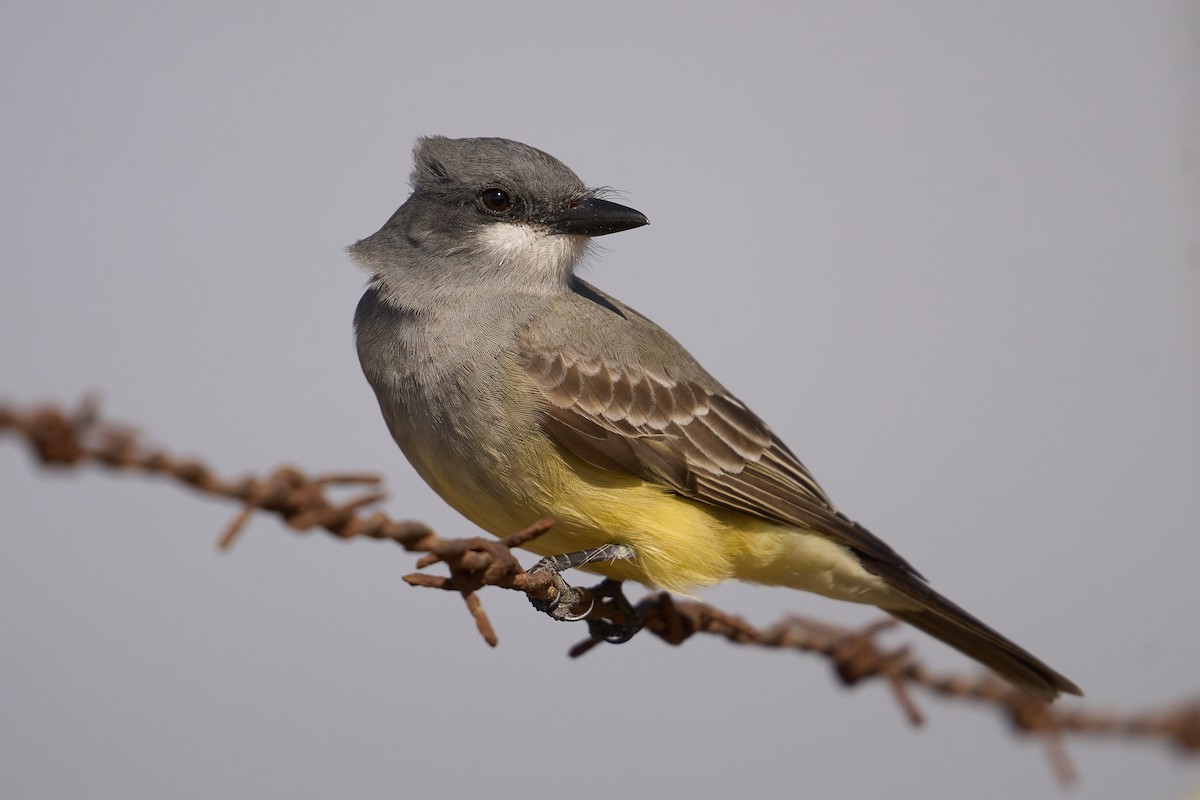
point(487, 215)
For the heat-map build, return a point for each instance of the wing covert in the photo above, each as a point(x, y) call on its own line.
point(702, 443)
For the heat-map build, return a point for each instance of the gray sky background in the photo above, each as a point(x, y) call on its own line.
point(949, 252)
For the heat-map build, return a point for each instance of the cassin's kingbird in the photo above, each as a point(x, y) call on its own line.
point(517, 390)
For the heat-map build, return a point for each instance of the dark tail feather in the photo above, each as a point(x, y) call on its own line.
point(945, 621)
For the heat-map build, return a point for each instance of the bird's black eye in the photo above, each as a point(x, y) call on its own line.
point(497, 201)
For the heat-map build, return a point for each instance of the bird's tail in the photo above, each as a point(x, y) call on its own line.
point(946, 622)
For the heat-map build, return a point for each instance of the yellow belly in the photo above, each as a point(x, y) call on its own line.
point(681, 545)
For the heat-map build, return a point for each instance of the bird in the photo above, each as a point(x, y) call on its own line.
point(517, 390)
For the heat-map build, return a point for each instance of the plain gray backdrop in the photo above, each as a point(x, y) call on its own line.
point(950, 252)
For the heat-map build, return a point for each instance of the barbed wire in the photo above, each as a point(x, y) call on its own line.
point(79, 438)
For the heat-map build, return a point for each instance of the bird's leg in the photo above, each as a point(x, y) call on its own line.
point(565, 605)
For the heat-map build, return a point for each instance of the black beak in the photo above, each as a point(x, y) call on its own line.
point(595, 217)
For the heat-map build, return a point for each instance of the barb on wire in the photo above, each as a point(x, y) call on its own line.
point(62, 439)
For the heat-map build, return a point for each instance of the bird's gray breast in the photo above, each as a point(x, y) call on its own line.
point(447, 381)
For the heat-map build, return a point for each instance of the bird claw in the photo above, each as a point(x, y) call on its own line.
point(564, 605)
point(620, 621)
point(605, 631)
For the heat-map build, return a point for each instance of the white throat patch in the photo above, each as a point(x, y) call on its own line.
point(530, 255)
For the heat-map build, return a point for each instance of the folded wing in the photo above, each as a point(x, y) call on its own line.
point(700, 442)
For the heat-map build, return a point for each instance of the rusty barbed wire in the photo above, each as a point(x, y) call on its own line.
point(74, 439)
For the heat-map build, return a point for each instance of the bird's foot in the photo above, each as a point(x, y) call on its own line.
point(615, 619)
point(610, 616)
point(568, 603)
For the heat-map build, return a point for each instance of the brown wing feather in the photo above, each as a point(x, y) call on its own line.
point(703, 444)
